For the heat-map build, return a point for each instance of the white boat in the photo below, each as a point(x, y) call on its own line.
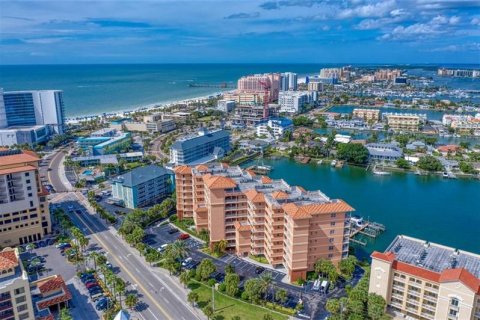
point(381, 173)
point(356, 221)
point(334, 163)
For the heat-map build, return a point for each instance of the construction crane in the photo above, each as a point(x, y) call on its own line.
point(266, 97)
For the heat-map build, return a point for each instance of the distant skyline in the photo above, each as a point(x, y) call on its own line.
point(287, 31)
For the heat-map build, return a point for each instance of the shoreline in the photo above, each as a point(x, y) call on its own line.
point(149, 107)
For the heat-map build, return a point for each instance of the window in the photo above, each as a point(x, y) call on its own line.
point(21, 308)
point(332, 223)
point(19, 291)
point(333, 215)
point(27, 174)
point(332, 231)
point(23, 316)
point(27, 181)
point(331, 240)
point(330, 248)
point(454, 302)
point(453, 313)
point(29, 188)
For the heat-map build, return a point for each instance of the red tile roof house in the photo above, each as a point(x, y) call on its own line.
point(448, 149)
point(49, 293)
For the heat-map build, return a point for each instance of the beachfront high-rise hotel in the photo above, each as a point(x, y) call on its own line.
point(32, 108)
point(257, 215)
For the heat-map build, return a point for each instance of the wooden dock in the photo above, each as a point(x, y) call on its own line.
point(370, 229)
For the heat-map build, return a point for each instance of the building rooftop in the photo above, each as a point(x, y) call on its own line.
point(433, 257)
point(299, 202)
point(192, 141)
point(15, 156)
point(8, 259)
point(141, 175)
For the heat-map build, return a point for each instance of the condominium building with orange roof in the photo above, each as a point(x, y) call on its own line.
point(428, 281)
point(24, 213)
point(257, 215)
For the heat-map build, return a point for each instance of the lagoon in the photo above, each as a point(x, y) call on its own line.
point(427, 207)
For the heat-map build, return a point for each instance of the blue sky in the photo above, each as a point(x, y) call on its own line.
point(317, 31)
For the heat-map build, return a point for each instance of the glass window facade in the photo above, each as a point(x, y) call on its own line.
point(20, 109)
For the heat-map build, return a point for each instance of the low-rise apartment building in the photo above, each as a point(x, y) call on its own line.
point(404, 121)
point(274, 127)
point(202, 147)
point(366, 114)
point(142, 186)
point(290, 226)
point(293, 102)
point(15, 297)
point(105, 141)
point(427, 281)
point(24, 213)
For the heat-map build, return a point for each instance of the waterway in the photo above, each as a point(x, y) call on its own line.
point(426, 207)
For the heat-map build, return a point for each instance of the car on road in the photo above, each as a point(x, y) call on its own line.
point(183, 236)
point(172, 230)
point(259, 270)
point(78, 211)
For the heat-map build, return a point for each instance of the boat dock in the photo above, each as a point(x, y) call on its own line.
point(260, 169)
point(369, 229)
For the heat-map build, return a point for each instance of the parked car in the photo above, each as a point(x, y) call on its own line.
point(102, 304)
point(259, 270)
point(162, 248)
point(187, 261)
point(62, 245)
point(172, 230)
point(94, 290)
point(109, 265)
point(91, 284)
point(96, 296)
point(183, 236)
point(78, 211)
point(192, 265)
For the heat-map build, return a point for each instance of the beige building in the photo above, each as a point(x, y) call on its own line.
point(366, 114)
point(15, 297)
point(387, 74)
point(404, 121)
point(257, 215)
point(424, 280)
point(24, 213)
point(315, 86)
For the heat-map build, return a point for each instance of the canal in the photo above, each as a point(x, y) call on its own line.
point(427, 207)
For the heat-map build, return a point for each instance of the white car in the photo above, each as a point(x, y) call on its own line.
point(162, 247)
point(186, 261)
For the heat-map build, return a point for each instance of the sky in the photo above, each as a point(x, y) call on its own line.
point(240, 31)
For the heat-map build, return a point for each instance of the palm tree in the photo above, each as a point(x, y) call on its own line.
point(178, 249)
point(192, 297)
point(131, 301)
point(95, 256)
point(119, 286)
point(184, 278)
point(265, 283)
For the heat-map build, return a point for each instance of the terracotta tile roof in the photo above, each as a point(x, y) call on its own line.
point(462, 275)
point(201, 167)
point(389, 256)
point(51, 284)
point(49, 317)
point(26, 156)
point(16, 169)
point(251, 173)
point(8, 259)
point(295, 211)
point(254, 196)
point(241, 227)
point(219, 182)
point(266, 180)
point(279, 195)
point(447, 275)
point(183, 170)
point(449, 147)
point(330, 207)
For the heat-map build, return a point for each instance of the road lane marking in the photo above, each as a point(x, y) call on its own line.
point(152, 314)
point(146, 292)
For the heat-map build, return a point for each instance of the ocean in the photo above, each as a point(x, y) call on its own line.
point(94, 89)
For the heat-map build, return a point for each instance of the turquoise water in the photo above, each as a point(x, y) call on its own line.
point(93, 89)
point(431, 208)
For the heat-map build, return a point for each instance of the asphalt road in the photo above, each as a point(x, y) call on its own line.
point(163, 297)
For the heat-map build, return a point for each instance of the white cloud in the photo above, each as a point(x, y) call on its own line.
point(379, 9)
point(475, 21)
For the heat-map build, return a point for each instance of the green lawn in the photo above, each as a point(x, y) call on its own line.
point(226, 307)
point(259, 258)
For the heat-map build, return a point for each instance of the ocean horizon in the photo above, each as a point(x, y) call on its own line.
point(104, 88)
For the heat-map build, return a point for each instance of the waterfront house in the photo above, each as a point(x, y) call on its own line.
point(384, 152)
point(416, 146)
point(450, 149)
point(142, 186)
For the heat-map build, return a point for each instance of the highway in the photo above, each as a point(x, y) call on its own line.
point(163, 297)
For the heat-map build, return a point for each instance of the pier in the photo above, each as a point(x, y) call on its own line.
point(370, 229)
point(223, 85)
